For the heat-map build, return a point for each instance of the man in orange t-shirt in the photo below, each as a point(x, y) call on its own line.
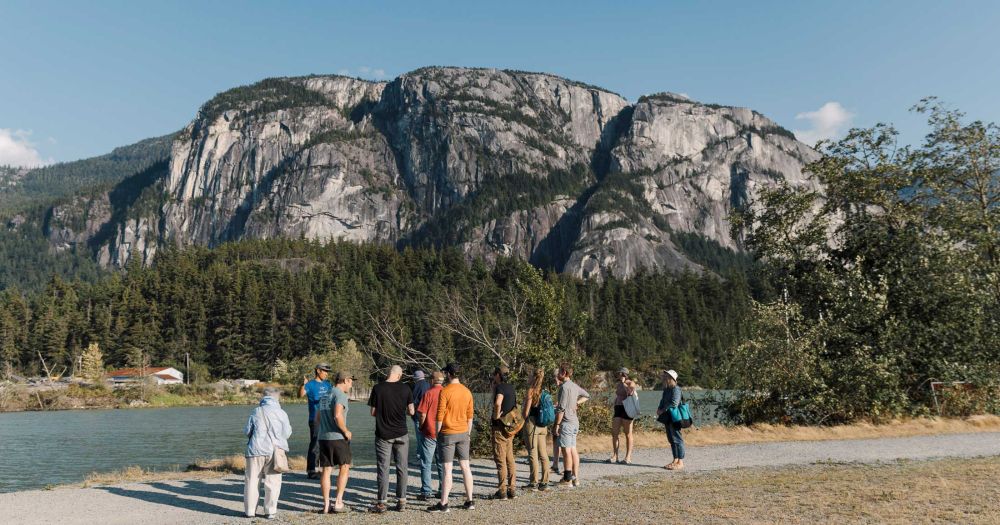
point(427, 445)
point(454, 428)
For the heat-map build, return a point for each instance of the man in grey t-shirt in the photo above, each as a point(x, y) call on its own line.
point(567, 424)
point(334, 440)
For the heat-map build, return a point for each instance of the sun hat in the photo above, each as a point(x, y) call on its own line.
point(671, 373)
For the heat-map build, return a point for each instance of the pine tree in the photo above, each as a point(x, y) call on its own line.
point(93, 364)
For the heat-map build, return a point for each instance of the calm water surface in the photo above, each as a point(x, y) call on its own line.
point(47, 448)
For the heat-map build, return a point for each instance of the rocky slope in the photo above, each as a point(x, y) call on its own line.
point(566, 175)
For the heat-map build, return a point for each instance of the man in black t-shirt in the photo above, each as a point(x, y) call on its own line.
point(391, 403)
point(504, 400)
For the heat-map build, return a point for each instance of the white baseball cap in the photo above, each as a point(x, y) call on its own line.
point(672, 374)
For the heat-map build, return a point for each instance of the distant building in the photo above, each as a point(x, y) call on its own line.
point(159, 375)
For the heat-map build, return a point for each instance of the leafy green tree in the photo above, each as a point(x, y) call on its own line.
point(890, 271)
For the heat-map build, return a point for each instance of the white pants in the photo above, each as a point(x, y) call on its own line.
point(257, 468)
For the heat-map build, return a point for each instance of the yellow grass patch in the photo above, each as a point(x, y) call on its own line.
point(730, 435)
point(236, 464)
point(200, 469)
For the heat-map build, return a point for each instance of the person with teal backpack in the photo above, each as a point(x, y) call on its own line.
point(539, 413)
point(675, 415)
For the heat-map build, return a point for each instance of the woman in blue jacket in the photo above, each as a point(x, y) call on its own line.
point(267, 428)
point(672, 399)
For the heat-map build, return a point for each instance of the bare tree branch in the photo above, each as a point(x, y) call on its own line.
point(388, 343)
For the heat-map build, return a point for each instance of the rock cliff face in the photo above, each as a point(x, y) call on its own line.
point(566, 175)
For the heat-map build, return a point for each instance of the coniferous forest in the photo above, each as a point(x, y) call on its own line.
point(240, 308)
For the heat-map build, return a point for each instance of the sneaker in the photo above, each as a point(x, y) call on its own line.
point(500, 495)
point(576, 482)
point(543, 487)
point(469, 505)
point(438, 507)
point(423, 497)
point(400, 505)
point(511, 494)
point(531, 486)
point(342, 510)
point(378, 508)
point(555, 470)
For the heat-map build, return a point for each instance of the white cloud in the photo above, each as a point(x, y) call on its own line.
point(364, 72)
point(828, 122)
point(17, 150)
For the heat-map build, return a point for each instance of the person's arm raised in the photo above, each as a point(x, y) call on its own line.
point(583, 397)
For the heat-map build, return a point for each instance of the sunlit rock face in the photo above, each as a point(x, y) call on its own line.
point(498, 163)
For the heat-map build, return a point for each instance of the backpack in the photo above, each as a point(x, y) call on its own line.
point(546, 410)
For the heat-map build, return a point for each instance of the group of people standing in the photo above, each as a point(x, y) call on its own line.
point(442, 411)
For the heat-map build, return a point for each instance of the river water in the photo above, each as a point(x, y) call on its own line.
point(38, 449)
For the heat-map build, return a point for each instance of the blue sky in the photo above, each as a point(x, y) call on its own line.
point(79, 78)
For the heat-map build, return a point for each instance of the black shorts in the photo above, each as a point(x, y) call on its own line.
point(334, 453)
point(620, 412)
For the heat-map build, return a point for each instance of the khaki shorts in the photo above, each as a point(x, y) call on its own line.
point(454, 446)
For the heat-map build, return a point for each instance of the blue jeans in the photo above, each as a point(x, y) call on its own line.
point(676, 440)
point(426, 449)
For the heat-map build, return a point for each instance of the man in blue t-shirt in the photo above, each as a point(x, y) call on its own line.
point(316, 390)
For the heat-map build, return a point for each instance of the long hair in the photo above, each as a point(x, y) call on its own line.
point(535, 387)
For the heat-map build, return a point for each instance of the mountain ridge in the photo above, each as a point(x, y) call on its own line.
point(564, 174)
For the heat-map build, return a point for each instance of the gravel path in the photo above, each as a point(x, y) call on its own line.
point(221, 501)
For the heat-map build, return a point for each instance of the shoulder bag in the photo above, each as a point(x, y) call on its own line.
point(631, 405)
